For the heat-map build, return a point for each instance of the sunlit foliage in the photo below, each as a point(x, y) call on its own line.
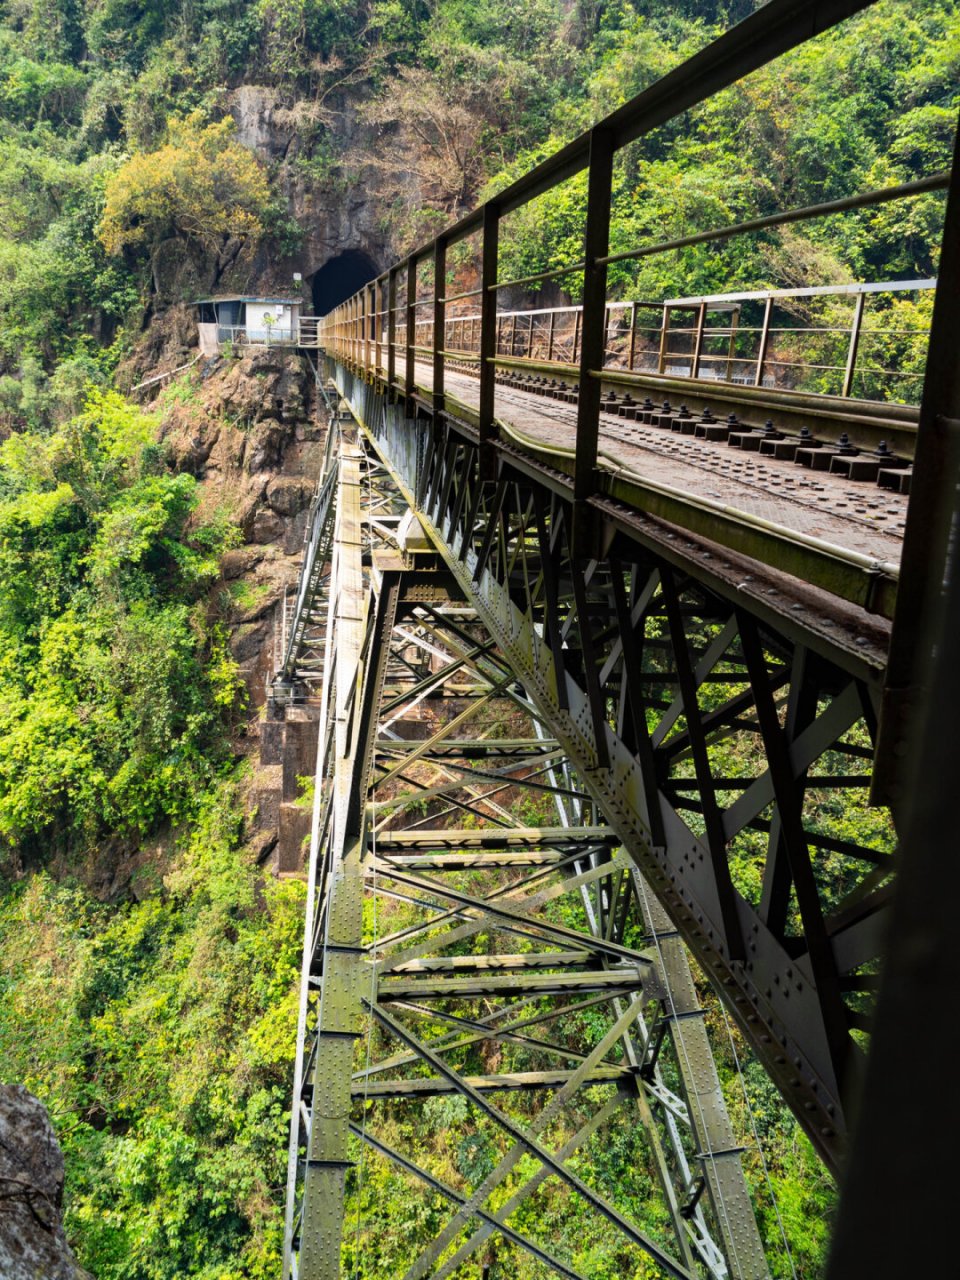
point(201, 185)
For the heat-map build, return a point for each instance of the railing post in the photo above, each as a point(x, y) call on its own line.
point(764, 343)
point(732, 344)
point(854, 344)
point(633, 335)
point(489, 337)
point(593, 336)
point(664, 339)
point(439, 321)
point(377, 322)
point(553, 325)
point(577, 319)
point(698, 345)
point(410, 380)
point(365, 327)
point(391, 329)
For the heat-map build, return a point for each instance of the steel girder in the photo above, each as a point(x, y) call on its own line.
point(301, 659)
point(416, 973)
point(328, 1028)
point(399, 648)
point(667, 684)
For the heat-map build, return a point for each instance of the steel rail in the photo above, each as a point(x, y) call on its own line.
point(848, 573)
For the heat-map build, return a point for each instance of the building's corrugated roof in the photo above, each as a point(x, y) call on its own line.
point(245, 297)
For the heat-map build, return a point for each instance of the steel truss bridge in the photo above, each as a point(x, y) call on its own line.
point(581, 719)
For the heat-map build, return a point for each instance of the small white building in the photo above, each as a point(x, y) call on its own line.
point(247, 321)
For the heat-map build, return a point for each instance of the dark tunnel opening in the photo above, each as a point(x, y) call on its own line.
point(340, 278)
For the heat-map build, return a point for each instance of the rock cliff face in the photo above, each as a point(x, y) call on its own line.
point(246, 428)
point(32, 1241)
point(333, 217)
point(249, 430)
point(335, 214)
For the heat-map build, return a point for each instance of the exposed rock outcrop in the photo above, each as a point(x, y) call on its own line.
point(266, 384)
point(245, 428)
point(32, 1240)
point(333, 216)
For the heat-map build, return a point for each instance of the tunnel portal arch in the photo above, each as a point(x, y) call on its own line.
point(340, 278)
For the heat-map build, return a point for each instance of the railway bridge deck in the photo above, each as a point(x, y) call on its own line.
point(724, 604)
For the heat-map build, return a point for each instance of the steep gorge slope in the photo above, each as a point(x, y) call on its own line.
point(147, 955)
point(147, 968)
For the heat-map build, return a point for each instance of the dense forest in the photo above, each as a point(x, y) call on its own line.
point(153, 1009)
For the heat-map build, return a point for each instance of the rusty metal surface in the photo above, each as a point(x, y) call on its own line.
point(823, 505)
point(791, 1005)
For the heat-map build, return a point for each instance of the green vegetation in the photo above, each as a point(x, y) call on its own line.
point(157, 1021)
point(200, 185)
point(873, 104)
point(115, 137)
point(159, 1033)
point(158, 1030)
point(113, 686)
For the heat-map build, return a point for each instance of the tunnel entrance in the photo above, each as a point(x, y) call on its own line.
point(340, 278)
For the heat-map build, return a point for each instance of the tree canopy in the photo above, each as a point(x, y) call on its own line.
point(201, 185)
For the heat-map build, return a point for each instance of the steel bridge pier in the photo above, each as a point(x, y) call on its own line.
point(402, 632)
point(637, 720)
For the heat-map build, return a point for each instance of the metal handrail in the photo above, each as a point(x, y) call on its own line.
point(545, 334)
point(377, 330)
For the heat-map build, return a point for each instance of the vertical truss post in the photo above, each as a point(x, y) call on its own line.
point(391, 328)
point(855, 329)
point(377, 322)
point(764, 343)
point(410, 339)
point(664, 340)
point(488, 337)
point(596, 242)
point(698, 343)
point(732, 344)
point(439, 320)
point(924, 562)
point(365, 326)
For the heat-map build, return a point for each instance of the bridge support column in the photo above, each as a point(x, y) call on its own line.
point(593, 338)
point(488, 338)
point(925, 563)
